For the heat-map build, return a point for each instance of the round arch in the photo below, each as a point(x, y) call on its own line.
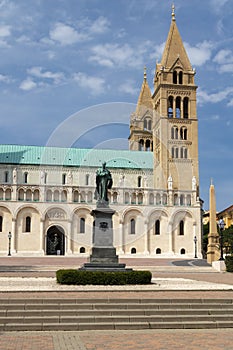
point(55, 240)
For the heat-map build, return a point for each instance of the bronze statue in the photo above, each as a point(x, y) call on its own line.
point(103, 183)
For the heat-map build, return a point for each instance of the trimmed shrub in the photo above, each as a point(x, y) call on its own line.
point(82, 277)
point(229, 263)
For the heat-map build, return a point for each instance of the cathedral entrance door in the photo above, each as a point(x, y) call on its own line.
point(55, 242)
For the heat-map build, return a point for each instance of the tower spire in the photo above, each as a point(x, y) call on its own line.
point(145, 77)
point(173, 12)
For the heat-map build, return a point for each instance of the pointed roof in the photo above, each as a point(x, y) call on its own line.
point(144, 99)
point(174, 48)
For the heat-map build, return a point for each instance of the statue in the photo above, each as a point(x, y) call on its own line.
point(103, 183)
point(170, 182)
point(14, 176)
point(194, 183)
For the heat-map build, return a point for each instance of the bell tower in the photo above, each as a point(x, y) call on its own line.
point(175, 117)
point(141, 125)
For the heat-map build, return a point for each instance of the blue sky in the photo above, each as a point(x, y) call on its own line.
point(60, 57)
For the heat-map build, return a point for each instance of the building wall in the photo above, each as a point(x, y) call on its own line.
point(143, 204)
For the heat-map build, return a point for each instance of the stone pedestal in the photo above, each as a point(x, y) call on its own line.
point(103, 255)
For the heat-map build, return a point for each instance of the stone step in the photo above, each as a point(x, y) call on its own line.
point(96, 314)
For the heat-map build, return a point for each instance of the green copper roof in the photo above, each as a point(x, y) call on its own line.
point(36, 155)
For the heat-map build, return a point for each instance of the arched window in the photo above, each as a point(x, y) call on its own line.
point(182, 199)
point(49, 196)
point(64, 196)
point(8, 194)
point(1, 222)
point(178, 105)
point(170, 107)
point(63, 179)
point(21, 195)
point(28, 224)
point(140, 198)
point(181, 228)
point(151, 199)
point(183, 133)
point(56, 196)
point(126, 198)
point(87, 180)
point(28, 195)
point(132, 226)
point(82, 250)
point(158, 251)
point(186, 107)
point(82, 225)
point(6, 176)
point(175, 77)
point(75, 196)
point(139, 181)
point(133, 198)
point(141, 145)
point(36, 195)
point(180, 77)
point(133, 251)
point(182, 251)
point(147, 145)
point(149, 124)
point(157, 227)
point(25, 177)
point(145, 124)
point(174, 132)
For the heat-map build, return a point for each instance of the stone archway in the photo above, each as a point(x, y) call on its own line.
point(55, 241)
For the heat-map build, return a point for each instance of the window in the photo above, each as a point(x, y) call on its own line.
point(82, 250)
point(178, 104)
point(182, 251)
point(175, 77)
point(157, 227)
point(87, 180)
point(1, 221)
point(147, 145)
point(174, 133)
point(25, 177)
point(180, 77)
point(132, 226)
point(6, 176)
point(82, 225)
point(170, 107)
point(63, 179)
point(140, 198)
point(186, 107)
point(181, 228)
point(158, 251)
point(183, 133)
point(141, 145)
point(139, 181)
point(133, 251)
point(28, 224)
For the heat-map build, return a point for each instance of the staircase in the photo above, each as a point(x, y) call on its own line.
point(114, 314)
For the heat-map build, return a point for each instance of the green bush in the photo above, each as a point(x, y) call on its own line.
point(229, 263)
point(81, 277)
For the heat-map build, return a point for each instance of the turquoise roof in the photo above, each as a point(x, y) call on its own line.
point(75, 157)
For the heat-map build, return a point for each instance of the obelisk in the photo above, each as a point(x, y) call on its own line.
point(213, 253)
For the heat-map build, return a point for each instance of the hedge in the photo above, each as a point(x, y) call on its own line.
point(81, 277)
point(229, 263)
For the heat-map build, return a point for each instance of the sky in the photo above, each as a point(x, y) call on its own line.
point(71, 72)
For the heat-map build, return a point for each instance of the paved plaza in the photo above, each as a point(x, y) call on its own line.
point(24, 277)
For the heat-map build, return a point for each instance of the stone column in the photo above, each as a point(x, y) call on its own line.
point(13, 239)
point(42, 237)
point(146, 234)
point(213, 253)
point(69, 236)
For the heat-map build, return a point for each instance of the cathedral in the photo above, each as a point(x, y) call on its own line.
point(47, 194)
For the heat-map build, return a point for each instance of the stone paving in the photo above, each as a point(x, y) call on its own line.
point(185, 281)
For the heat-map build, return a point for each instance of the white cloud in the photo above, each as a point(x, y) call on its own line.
point(218, 5)
point(111, 55)
point(5, 31)
point(128, 87)
point(205, 97)
point(99, 26)
point(28, 84)
point(225, 59)
point(38, 72)
point(5, 79)
point(94, 84)
point(65, 34)
point(200, 53)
